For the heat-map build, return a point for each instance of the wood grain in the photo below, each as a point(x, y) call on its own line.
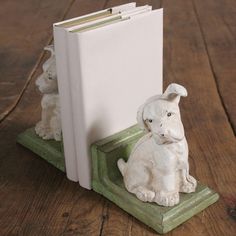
point(37, 199)
point(217, 23)
point(26, 27)
point(210, 137)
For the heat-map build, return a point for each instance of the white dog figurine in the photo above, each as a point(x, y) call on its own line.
point(157, 168)
point(50, 125)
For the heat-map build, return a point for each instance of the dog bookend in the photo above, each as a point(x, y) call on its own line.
point(157, 168)
point(45, 139)
point(144, 169)
point(49, 127)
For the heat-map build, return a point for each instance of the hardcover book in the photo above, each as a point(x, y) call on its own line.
point(108, 63)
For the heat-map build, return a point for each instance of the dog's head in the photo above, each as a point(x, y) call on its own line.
point(47, 81)
point(161, 116)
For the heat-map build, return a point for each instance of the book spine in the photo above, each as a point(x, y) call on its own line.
point(81, 143)
point(65, 102)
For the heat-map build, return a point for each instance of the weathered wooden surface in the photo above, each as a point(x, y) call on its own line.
point(199, 52)
point(220, 17)
point(25, 30)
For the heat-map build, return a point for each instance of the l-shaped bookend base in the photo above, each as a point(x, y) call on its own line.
point(107, 179)
point(49, 150)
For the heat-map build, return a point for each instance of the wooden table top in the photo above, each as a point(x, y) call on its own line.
point(199, 53)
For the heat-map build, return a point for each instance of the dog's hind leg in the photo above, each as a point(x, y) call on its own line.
point(138, 183)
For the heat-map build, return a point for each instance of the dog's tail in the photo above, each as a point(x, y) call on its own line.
point(122, 166)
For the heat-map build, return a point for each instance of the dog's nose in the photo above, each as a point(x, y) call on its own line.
point(40, 80)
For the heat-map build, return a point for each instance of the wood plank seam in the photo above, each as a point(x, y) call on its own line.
point(12, 107)
point(130, 225)
point(104, 216)
point(212, 69)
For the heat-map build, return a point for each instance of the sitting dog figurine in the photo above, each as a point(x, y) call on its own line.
point(157, 168)
point(50, 125)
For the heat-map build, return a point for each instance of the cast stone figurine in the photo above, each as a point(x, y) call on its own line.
point(50, 125)
point(157, 168)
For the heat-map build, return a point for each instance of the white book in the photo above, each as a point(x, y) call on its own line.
point(64, 85)
point(113, 69)
point(65, 103)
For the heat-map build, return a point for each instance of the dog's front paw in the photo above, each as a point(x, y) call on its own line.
point(43, 131)
point(48, 135)
point(167, 198)
point(189, 185)
point(57, 135)
point(144, 194)
point(40, 129)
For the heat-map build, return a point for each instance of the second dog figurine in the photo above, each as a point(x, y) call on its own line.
point(157, 168)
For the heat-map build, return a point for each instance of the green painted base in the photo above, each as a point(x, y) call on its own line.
point(107, 181)
point(49, 150)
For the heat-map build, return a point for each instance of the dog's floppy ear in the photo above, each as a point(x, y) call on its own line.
point(140, 119)
point(174, 92)
point(50, 48)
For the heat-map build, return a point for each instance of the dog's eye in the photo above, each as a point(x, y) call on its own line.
point(150, 120)
point(169, 114)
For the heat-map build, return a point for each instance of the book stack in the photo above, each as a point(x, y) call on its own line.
point(108, 63)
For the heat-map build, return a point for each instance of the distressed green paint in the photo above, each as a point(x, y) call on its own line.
point(49, 150)
point(107, 181)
